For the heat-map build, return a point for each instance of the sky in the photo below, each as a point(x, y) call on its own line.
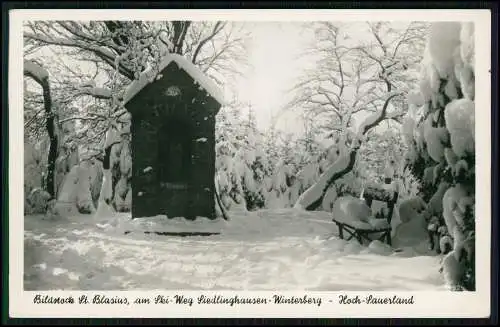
point(272, 53)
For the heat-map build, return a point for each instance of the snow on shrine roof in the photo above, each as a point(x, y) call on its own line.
point(148, 76)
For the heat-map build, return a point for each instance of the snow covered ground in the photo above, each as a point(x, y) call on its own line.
point(285, 249)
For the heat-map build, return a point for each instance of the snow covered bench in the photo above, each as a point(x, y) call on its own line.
point(366, 227)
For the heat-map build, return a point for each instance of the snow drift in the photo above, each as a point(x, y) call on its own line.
point(262, 250)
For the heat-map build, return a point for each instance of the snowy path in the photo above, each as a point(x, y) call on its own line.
point(266, 250)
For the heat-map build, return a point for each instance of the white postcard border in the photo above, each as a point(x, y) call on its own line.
point(427, 304)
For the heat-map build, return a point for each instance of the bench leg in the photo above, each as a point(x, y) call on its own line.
point(352, 233)
point(341, 231)
point(388, 238)
point(432, 245)
point(359, 238)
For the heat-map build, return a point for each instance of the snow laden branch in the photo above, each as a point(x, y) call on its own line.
point(129, 48)
point(376, 118)
point(73, 91)
point(41, 76)
point(216, 29)
point(313, 197)
point(87, 44)
point(88, 116)
point(35, 71)
point(96, 92)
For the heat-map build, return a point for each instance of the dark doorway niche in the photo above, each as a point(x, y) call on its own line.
point(174, 153)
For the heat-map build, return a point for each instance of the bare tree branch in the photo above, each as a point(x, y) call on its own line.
point(217, 28)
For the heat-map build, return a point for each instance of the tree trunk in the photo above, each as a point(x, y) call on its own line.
point(54, 142)
point(180, 32)
point(50, 124)
point(352, 160)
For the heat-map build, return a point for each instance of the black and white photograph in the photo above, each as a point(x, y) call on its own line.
point(238, 155)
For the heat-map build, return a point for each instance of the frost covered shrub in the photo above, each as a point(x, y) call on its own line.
point(410, 208)
point(459, 116)
point(37, 202)
point(408, 184)
point(75, 195)
point(121, 172)
point(443, 148)
point(34, 166)
point(242, 167)
point(383, 154)
point(228, 176)
point(96, 176)
point(284, 186)
point(255, 196)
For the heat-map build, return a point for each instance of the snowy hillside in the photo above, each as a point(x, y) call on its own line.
point(262, 250)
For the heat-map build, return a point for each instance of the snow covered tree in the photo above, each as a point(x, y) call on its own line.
point(283, 165)
point(440, 137)
point(227, 143)
point(376, 154)
point(252, 156)
point(356, 80)
point(241, 160)
point(309, 145)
